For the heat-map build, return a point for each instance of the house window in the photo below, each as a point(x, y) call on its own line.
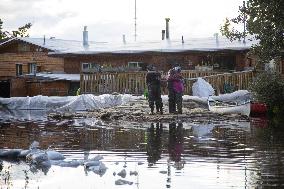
point(32, 68)
point(134, 64)
point(91, 67)
point(19, 69)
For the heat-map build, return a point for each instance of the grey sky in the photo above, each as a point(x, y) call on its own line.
point(108, 20)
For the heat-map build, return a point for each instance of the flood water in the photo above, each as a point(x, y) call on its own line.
point(154, 155)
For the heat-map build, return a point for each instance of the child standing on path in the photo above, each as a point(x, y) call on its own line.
point(176, 88)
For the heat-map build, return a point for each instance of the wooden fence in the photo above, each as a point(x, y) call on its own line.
point(134, 82)
point(225, 82)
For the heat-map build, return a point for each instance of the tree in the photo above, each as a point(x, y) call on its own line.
point(21, 32)
point(264, 21)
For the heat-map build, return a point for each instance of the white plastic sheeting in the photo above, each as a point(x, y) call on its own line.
point(38, 107)
point(89, 102)
point(69, 103)
point(202, 88)
point(240, 95)
point(237, 96)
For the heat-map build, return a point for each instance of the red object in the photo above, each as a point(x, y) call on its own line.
point(257, 108)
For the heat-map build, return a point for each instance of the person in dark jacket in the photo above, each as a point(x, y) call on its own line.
point(153, 81)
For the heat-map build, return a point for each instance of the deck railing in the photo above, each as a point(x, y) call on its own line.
point(134, 82)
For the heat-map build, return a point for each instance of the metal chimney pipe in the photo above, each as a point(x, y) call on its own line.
point(85, 37)
point(167, 28)
point(123, 38)
point(216, 35)
point(163, 34)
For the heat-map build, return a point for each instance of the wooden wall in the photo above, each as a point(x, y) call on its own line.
point(8, 62)
point(18, 87)
point(163, 61)
point(47, 88)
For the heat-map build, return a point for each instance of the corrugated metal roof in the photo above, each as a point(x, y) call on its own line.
point(59, 46)
point(69, 77)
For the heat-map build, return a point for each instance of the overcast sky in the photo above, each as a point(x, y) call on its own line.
point(108, 20)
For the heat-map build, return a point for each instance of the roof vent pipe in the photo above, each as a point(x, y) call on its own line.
point(167, 28)
point(123, 38)
point(85, 37)
point(216, 35)
point(163, 34)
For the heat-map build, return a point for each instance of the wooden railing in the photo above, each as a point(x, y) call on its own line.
point(134, 82)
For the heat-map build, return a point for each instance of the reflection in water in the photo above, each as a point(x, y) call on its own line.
point(175, 141)
point(154, 142)
point(228, 155)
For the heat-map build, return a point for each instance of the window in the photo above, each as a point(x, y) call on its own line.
point(19, 69)
point(132, 64)
point(32, 68)
point(135, 64)
point(90, 67)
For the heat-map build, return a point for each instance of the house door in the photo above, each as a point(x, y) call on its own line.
point(5, 88)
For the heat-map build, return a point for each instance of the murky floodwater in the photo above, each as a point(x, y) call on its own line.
point(175, 155)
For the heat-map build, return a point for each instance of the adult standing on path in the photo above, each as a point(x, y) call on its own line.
point(153, 81)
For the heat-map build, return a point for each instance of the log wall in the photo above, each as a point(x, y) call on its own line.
point(8, 62)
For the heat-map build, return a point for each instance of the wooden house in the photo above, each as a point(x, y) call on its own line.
point(33, 66)
point(20, 64)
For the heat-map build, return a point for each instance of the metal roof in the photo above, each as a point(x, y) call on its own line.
point(60, 46)
point(53, 76)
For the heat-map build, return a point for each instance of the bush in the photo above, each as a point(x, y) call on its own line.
point(268, 87)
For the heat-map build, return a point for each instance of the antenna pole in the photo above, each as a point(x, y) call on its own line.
point(135, 24)
point(244, 21)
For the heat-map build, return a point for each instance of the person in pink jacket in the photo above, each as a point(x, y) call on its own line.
point(176, 88)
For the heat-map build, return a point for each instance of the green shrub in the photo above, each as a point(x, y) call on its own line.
point(268, 87)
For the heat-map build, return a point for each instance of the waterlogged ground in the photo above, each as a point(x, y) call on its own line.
point(227, 154)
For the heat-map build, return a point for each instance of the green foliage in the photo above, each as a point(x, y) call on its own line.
point(21, 32)
point(268, 87)
point(2, 33)
point(264, 22)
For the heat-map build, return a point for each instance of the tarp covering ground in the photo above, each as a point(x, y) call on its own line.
point(69, 103)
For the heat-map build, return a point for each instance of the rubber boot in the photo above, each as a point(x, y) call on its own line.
point(152, 110)
point(172, 107)
point(161, 108)
point(157, 107)
point(179, 107)
point(161, 111)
